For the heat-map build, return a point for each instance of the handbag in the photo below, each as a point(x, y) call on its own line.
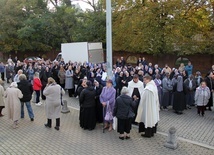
point(108, 116)
point(131, 114)
point(115, 123)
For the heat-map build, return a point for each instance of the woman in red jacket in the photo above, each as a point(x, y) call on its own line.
point(37, 86)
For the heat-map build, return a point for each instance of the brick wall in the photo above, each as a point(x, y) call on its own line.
point(201, 62)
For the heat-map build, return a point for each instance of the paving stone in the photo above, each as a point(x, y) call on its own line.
point(34, 138)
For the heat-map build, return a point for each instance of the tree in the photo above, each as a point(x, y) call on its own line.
point(159, 27)
point(11, 18)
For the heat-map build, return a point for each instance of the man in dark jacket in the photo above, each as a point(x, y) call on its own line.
point(45, 74)
point(27, 90)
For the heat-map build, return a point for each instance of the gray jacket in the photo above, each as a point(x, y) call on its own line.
point(167, 85)
point(202, 96)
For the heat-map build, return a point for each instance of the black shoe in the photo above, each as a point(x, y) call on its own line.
point(127, 137)
point(32, 119)
point(146, 136)
point(56, 127)
point(122, 138)
point(179, 113)
point(210, 109)
point(46, 125)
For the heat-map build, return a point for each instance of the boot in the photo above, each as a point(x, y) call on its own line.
point(1, 111)
point(49, 122)
point(57, 123)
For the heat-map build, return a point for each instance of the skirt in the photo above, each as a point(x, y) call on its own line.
point(124, 125)
point(88, 118)
point(179, 101)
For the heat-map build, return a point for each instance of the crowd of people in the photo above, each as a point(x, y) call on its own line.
point(134, 93)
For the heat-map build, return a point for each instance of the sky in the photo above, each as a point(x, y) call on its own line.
point(83, 5)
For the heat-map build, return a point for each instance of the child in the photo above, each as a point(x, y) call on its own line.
point(202, 96)
point(37, 86)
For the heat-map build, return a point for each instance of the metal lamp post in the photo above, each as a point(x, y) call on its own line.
point(109, 38)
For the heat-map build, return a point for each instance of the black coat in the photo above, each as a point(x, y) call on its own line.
point(87, 97)
point(26, 89)
point(98, 91)
point(123, 104)
point(44, 77)
point(187, 88)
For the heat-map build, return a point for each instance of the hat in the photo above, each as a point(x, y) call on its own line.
point(14, 85)
point(109, 81)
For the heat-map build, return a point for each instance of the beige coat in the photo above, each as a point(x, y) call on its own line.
point(53, 101)
point(1, 95)
point(13, 105)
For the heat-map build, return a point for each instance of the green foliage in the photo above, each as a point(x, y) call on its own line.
point(162, 27)
point(33, 26)
point(156, 27)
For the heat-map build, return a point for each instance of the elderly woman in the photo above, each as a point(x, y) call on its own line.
point(53, 93)
point(16, 77)
point(107, 98)
point(1, 97)
point(26, 88)
point(202, 96)
point(13, 106)
point(88, 103)
point(61, 76)
point(69, 81)
point(123, 105)
point(179, 99)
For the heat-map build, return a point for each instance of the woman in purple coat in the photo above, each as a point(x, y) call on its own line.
point(107, 99)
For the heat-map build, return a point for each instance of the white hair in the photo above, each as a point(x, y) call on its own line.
point(124, 91)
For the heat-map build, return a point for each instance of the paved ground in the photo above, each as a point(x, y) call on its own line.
point(189, 125)
point(34, 138)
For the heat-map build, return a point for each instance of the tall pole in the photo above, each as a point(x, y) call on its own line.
point(109, 38)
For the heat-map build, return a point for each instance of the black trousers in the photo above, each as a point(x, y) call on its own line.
point(49, 122)
point(2, 76)
point(1, 107)
point(71, 92)
point(124, 125)
point(201, 110)
point(43, 97)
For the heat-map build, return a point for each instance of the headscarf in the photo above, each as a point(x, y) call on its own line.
point(180, 84)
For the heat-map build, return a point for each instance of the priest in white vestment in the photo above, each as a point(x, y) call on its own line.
point(148, 110)
point(135, 88)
